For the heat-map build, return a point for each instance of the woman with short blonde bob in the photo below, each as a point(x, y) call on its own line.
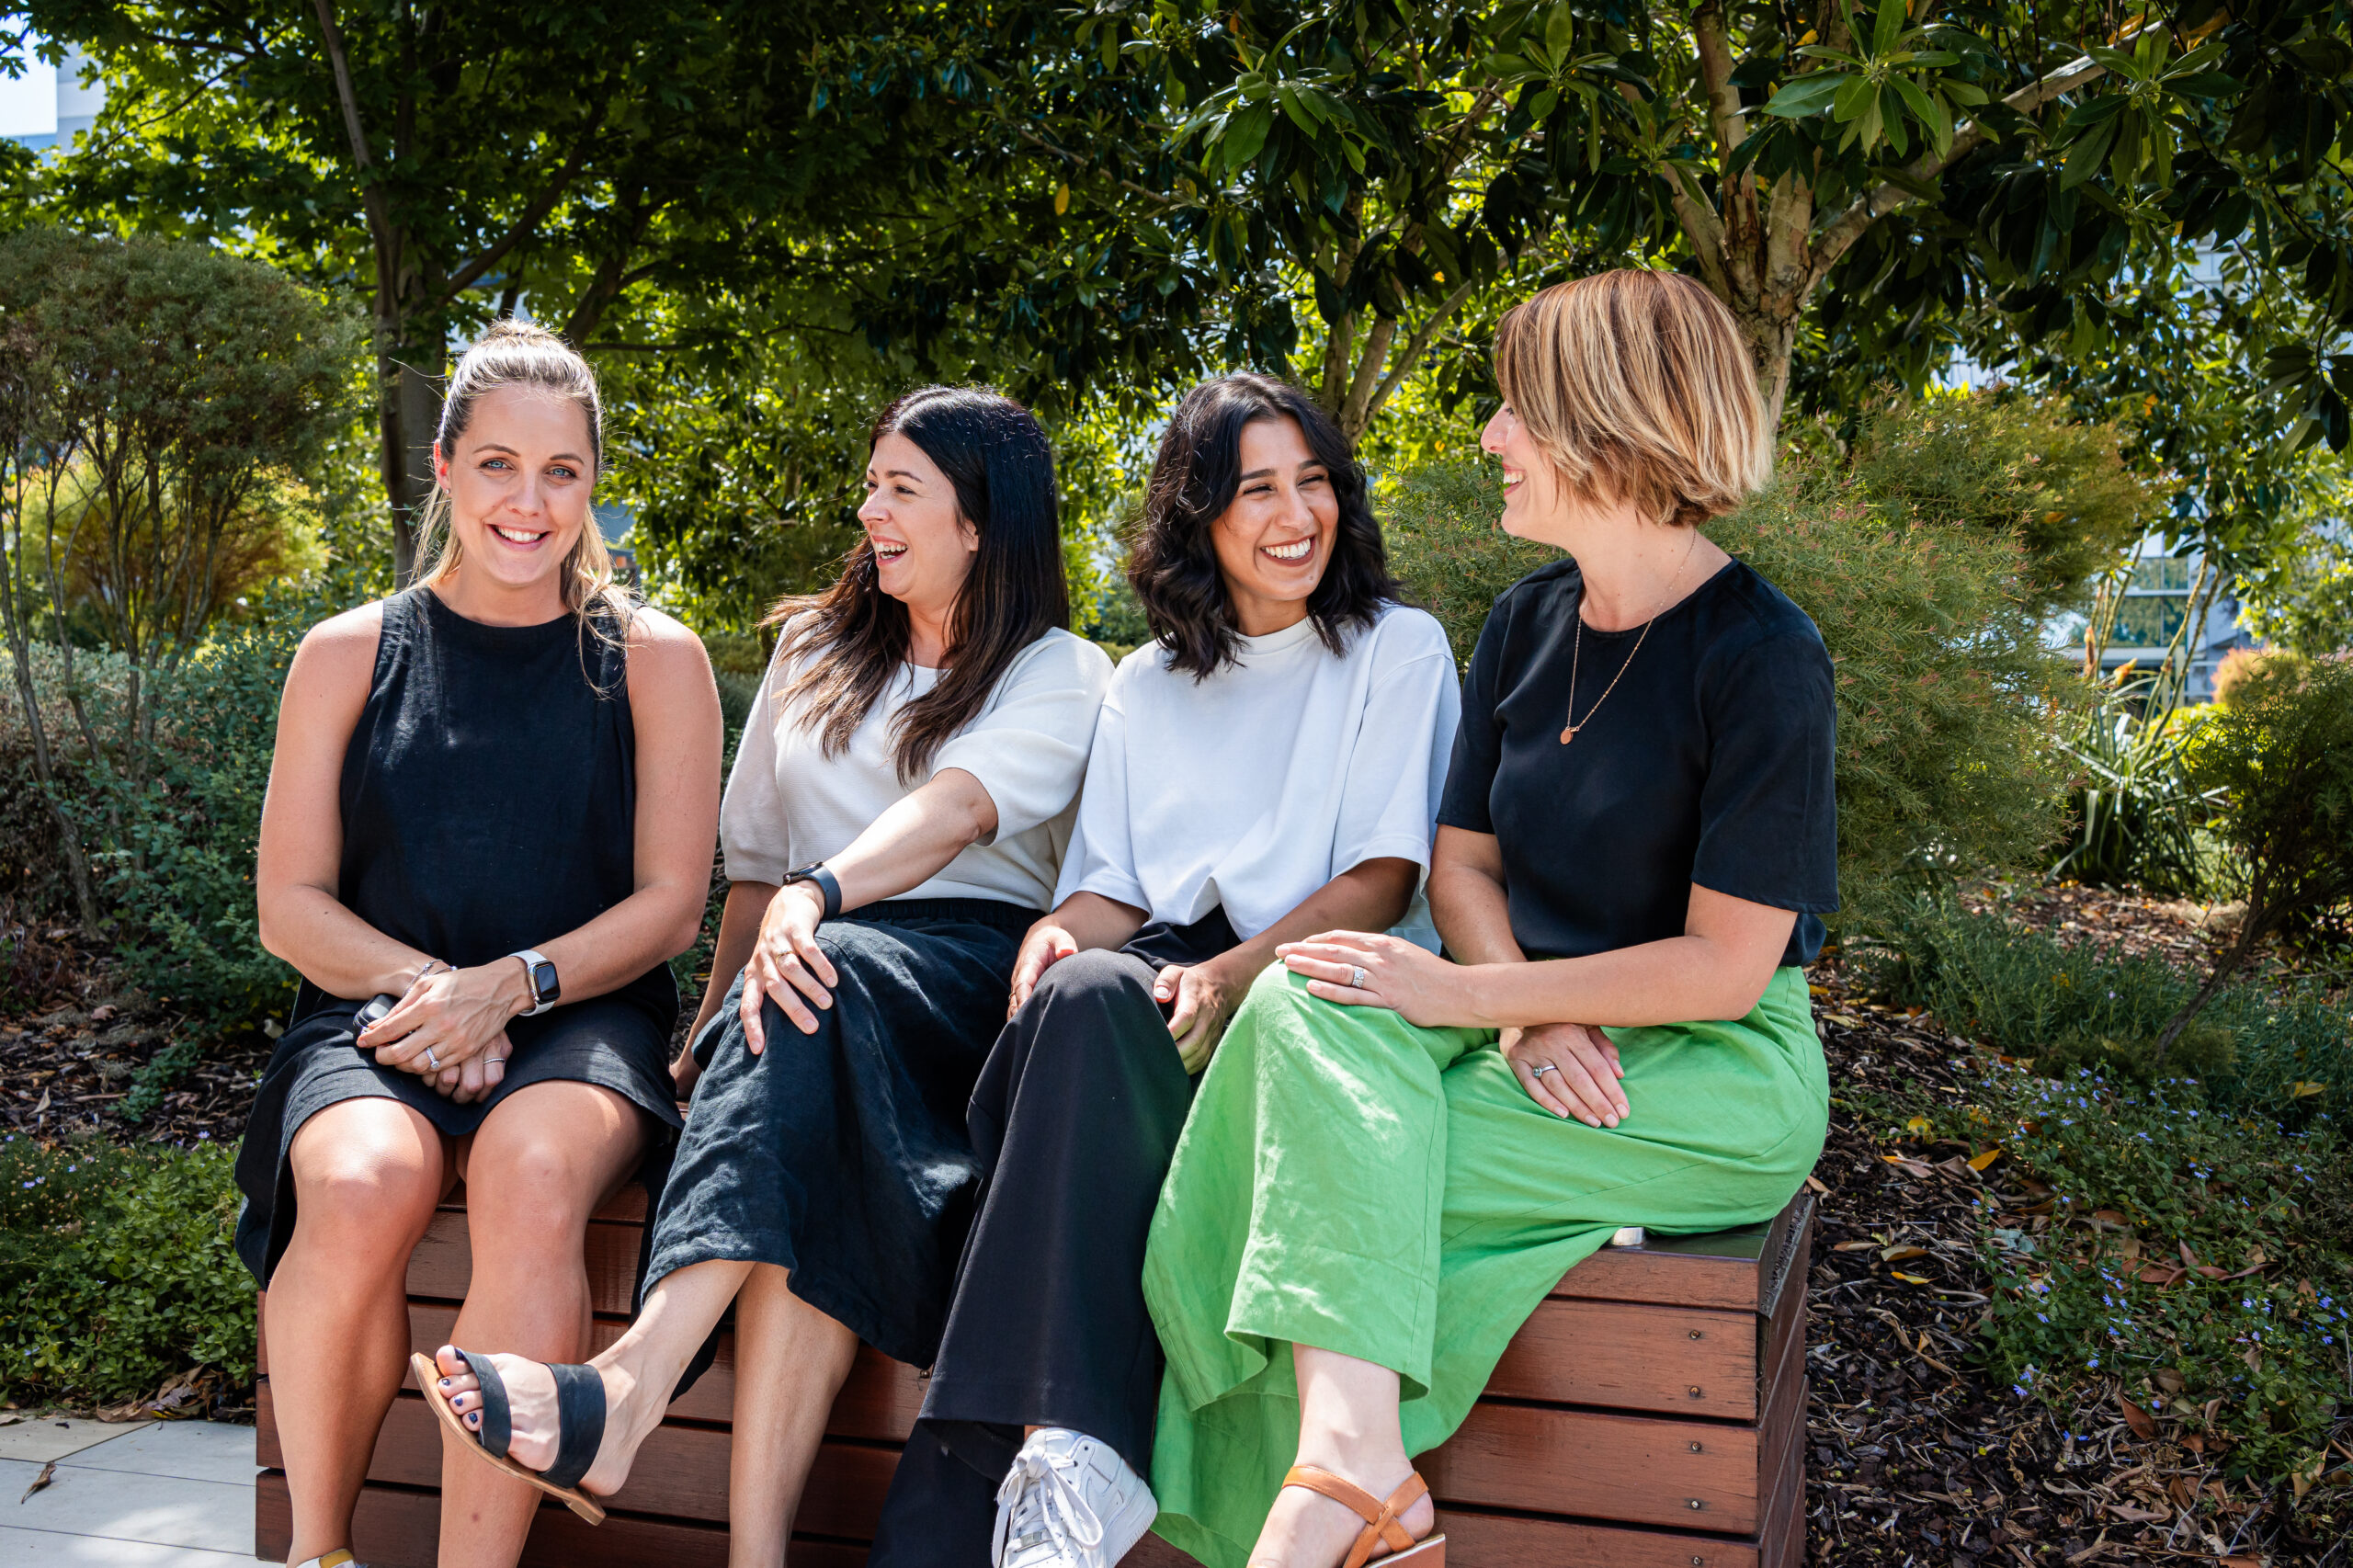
point(1395, 1157)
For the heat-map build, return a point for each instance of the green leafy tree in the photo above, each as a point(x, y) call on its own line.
point(1405, 165)
point(451, 163)
point(154, 391)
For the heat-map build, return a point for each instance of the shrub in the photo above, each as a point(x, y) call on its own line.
point(2012, 466)
point(119, 1270)
point(2068, 1006)
point(2135, 817)
point(2279, 759)
point(178, 861)
point(1944, 685)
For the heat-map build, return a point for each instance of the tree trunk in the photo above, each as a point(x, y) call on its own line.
point(2259, 920)
point(1770, 338)
point(408, 410)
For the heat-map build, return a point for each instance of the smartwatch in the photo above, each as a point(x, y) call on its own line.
point(541, 974)
point(815, 872)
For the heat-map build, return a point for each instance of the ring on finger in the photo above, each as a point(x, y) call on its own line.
point(430, 1060)
point(1358, 980)
point(1538, 1072)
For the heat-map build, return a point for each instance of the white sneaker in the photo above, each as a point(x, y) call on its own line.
point(1069, 1502)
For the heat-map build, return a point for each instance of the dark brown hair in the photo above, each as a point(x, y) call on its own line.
point(1003, 472)
point(1173, 566)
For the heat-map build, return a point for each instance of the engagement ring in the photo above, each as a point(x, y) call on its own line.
point(1539, 1071)
point(1358, 980)
point(429, 1061)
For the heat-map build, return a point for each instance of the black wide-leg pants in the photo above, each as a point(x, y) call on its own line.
point(1074, 1119)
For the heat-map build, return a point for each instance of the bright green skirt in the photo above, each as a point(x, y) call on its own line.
point(1350, 1181)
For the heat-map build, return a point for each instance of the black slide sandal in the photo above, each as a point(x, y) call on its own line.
point(580, 1425)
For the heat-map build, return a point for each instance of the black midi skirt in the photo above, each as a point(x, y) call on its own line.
point(843, 1156)
point(614, 1043)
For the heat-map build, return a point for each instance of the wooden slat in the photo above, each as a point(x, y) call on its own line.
point(1475, 1539)
point(399, 1529)
point(880, 1402)
point(1625, 1357)
point(625, 1206)
point(1721, 1271)
point(395, 1528)
point(1592, 1464)
point(681, 1473)
point(1781, 1542)
point(1725, 1268)
point(444, 1262)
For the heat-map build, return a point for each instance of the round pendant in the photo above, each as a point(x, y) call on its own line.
point(1568, 734)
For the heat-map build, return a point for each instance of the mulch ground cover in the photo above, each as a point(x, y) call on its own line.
point(1916, 1455)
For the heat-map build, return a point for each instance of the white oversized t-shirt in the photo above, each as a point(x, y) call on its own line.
point(1254, 788)
point(788, 803)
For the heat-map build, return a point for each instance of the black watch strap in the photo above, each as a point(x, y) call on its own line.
point(830, 889)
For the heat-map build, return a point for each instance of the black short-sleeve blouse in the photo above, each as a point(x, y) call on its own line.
point(1711, 763)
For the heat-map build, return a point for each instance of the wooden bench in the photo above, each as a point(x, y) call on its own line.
point(1649, 1414)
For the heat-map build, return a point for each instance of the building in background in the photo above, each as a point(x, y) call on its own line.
point(2155, 602)
point(47, 105)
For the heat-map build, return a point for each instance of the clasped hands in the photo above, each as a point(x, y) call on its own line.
point(1571, 1070)
point(1201, 997)
point(450, 1027)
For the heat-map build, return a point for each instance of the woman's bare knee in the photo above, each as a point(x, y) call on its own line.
point(366, 1171)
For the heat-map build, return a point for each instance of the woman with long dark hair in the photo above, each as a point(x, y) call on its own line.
point(492, 798)
point(1266, 768)
point(892, 828)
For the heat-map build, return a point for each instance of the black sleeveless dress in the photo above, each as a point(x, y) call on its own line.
point(489, 801)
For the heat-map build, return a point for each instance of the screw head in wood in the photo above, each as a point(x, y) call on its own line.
point(1695, 1447)
point(1697, 1334)
point(1695, 1505)
point(1695, 1391)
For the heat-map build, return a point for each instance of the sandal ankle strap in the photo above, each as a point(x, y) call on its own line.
point(1381, 1526)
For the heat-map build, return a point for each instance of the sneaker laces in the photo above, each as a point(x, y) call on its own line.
point(1045, 1500)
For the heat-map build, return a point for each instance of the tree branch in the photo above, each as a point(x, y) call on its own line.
point(371, 197)
point(1084, 166)
point(1865, 211)
point(1416, 346)
point(535, 213)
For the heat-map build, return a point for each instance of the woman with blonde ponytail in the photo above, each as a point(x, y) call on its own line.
point(489, 827)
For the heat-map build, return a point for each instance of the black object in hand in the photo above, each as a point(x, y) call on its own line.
point(373, 1013)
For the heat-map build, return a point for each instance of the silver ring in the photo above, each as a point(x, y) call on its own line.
point(1539, 1071)
point(1358, 980)
point(431, 1060)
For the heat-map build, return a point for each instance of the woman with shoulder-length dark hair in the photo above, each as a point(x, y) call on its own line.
point(1396, 1156)
point(1267, 767)
point(493, 799)
point(892, 827)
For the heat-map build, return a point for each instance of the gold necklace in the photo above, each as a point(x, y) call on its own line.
point(1576, 647)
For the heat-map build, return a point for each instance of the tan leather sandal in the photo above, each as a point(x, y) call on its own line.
point(1381, 1525)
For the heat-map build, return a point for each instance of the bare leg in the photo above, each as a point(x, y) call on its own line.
point(1347, 1425)
point(639, 1371)
point(367, 1174)
point(791, 1360)
point(538, 1167)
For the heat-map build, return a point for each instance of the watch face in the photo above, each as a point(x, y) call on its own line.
point(543, 981)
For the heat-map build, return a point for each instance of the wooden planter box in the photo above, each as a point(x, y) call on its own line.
point(1649, 1414)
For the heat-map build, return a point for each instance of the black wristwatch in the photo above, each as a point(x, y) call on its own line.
point(815, 872)
point(541, 974)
